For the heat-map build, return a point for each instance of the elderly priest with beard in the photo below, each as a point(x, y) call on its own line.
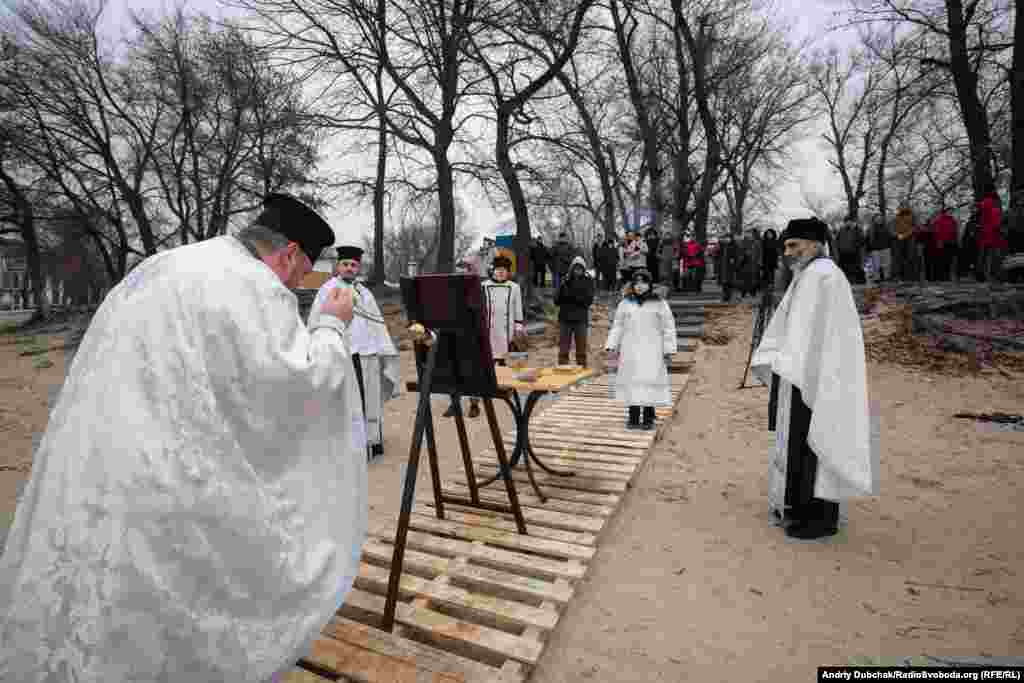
point(812, 355)
point(192, 515)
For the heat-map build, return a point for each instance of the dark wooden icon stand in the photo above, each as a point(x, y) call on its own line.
point(453, 358)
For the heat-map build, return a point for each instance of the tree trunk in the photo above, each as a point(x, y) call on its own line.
point(445, 262)
point(971, 108)
point(594, 139)
point(617, 187)
point(27, 226)
point(638, 98)
point(702, 90)
point(378, 186)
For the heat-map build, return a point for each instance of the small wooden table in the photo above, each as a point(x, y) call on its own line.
point(547, 382)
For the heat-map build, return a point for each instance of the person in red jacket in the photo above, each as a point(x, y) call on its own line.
point(943, 245)
point(991, 243)
point(693, 261)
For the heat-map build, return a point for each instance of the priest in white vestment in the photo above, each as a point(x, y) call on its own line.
point(374, 356)
point(644, 335)
point(812, 356)
point(191, 514)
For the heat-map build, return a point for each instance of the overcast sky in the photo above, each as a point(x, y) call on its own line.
point(811, 174)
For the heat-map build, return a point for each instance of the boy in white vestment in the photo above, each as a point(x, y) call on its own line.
point(374, 356)
point(644, 334)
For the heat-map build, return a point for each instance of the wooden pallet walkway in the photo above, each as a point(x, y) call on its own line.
point(477, 600)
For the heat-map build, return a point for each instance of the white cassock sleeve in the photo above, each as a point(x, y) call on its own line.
point(668, 329)
point(615, 336)
point(517, 306)
point(192, 514)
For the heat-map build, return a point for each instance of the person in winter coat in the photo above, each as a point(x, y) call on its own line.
point(574, 299)
point(561, 257)
point(539, 260)
point(653, 240)
point(943, 245)
point(850, 246)
point(769, 257)
point(693, 263)
point(644, 335)
point(728, 261)
point(750, 263)
point(667, 263)
point(880, 249)
point(991, 243)
point(634, 255)
point(609, 264)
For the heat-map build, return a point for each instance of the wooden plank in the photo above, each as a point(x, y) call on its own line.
point(445, 628)
point(581, 468)
point(533, 515)
point(303, 676)
point(505, 539)
point(413, 561)
point(474, 517)
point(532, 502)
point(559, 592)
point(499, 558)
point(596, 451)
point(584, 453)
point(636, 445)
point(509, 612)
point(480, 578)
point(574, 495)
point(582, 456)
point(583, 422)
point(371, 645)
point(577, 483)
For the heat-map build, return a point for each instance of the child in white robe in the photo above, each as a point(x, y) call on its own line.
point(644, 334)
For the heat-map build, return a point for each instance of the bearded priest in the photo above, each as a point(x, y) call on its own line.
point(374, 356)
point(812, 356)
point(192, 515)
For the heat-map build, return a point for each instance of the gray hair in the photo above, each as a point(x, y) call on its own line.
point(261, 239)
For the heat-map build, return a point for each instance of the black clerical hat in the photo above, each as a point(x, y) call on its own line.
point(350, 253)
point(287, 215)
point(806, 229)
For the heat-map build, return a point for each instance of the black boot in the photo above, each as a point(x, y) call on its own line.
point(634, 418)
point(817, 519)
point(648, 417)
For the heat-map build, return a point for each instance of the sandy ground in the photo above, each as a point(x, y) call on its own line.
point(691, 582)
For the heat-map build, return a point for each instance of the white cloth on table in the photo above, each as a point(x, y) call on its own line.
point(814, 342)
point(643, 333)
point(191, 515)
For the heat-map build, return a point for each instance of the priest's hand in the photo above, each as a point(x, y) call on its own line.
point(339, 303)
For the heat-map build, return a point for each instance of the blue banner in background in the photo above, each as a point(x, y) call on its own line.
point(639, 218)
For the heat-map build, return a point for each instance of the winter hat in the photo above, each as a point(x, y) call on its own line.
point(578, 261)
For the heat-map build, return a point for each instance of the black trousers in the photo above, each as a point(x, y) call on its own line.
point(634, 415)
point(357, 364)
point(801, 465)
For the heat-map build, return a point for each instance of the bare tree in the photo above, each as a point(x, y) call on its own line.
point(849, 92)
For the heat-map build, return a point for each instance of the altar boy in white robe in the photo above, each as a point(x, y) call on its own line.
point(374, 356)
point(503, 305)
point(193, 514)
point(644, 334)
point(812, 355)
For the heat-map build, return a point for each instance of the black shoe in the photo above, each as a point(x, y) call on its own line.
point(810, 530)
point(450, 412)
point(474, 410)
